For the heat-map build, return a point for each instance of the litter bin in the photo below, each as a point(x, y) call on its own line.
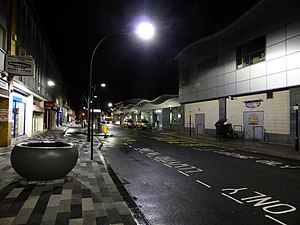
point(220, 127)
point(224, 129)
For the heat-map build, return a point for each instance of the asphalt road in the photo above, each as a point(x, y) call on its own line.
point(180, 182)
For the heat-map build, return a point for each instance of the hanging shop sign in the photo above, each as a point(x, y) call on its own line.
point(253, 104)
point(20, 65)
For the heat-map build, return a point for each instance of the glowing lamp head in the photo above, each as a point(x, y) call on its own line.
point(145, 30)
point(50, 83)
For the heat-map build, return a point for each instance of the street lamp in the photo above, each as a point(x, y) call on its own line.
point(145, 30)
point(51, 84)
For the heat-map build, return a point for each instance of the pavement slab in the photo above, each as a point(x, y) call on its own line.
point(87, 195)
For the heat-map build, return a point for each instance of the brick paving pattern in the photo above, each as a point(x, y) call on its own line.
point(87, 195)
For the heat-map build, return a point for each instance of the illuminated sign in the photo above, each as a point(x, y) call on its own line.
point(253, 104)
point(49, 104)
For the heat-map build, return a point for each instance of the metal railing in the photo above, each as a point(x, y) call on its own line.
point(200, 127)
point(36, 87)
point(262, 132)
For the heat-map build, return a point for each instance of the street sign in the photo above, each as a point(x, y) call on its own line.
point(20, 65)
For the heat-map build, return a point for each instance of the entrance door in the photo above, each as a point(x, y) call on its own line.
point(200, 123)
point(254, 125)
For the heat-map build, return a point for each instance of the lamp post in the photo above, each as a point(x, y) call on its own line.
point(145, 30)
point(296, 109)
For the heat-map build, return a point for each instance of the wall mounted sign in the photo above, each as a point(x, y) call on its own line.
point(20, 65)
point(253, 119)
point(253, 104)
point(4, 115)
point(49, 104)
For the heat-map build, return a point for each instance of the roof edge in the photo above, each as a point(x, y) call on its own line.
point(222, 30)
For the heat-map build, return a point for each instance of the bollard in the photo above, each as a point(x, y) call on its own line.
point(105, 128)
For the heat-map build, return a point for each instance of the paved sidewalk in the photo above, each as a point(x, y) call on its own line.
point(87, 195)
point(267, 148)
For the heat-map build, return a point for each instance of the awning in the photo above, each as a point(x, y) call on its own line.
point(37, 108)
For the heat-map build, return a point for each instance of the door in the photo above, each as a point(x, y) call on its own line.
point(254, 125)
point(200, 123)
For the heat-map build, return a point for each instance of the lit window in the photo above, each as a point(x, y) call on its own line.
point(251, 52)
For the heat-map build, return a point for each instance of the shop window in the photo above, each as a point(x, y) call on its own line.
point(18, 126)
point(251, 52)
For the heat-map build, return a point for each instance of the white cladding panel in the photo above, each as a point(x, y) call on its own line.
point(220, 77)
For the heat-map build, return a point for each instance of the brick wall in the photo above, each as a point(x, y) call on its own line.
point(276, 111)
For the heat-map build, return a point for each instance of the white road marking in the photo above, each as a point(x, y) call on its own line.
point(205, 149)
point(167, 165)
point(232, 198)
point(194, 171)
point(183, 173)
point(206, 185)
point(278, 221)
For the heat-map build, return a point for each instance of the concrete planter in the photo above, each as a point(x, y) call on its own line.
point(43, 160)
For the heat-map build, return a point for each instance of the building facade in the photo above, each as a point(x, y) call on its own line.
point(164, 112)
point(27, 105)
point(248, 73)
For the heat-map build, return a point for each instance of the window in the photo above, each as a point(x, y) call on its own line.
point(18, 126)
point(2, 38)
point(251, 52)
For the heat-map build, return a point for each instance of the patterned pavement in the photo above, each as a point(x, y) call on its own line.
point(87, 195)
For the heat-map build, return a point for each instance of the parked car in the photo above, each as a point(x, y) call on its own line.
point(129, 123)
point(143, 124)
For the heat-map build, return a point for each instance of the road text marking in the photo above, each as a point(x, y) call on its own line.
point(183, 173)
point(232, 198)
point(267, 204)
point(206, 185)
point(278, 221)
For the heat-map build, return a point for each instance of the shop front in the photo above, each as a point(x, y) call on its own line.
point(51, 115)
point(18, 115)
point(37, 117)
point(5, 114)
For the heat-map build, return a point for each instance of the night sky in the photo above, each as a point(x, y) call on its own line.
point(130, 67)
